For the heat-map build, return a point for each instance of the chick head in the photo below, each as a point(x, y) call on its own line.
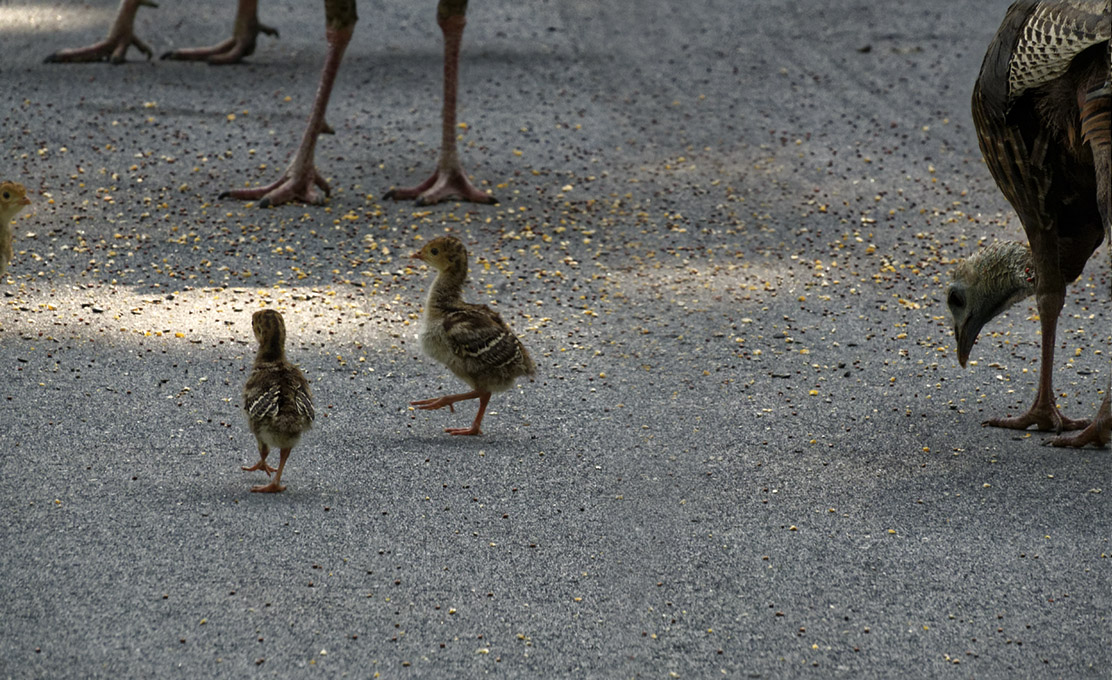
point(268, 325)
point(13, 198)
point(443, 253)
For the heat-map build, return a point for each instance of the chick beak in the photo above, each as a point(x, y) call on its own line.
point(25, 201)
point(417, 256)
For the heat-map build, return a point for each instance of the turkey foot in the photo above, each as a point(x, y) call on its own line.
point(441, 186)
point(114, 47)
point(1098, 433)
point(234, 49)
point(1045, 418)
point(296, 184)
point(300, 181)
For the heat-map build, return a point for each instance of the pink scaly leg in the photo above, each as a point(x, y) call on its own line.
point(301, 180)
point(1050, 295)
point(264, 450)
point(449, 180)
point(114, 47)
point(1043, 413)
point(1099, 433)
point(441, 402)
point(275, 485)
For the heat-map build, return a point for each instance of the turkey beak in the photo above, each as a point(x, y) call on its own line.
point(417, 256)
point(966, 337)
point(967, 326)
point(967, 320)
point(25, 201)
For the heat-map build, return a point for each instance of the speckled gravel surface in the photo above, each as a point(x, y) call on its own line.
point(724, 233)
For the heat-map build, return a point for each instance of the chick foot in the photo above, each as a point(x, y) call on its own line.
point(261, 465)
point(273, 487)
point(441, 402)
point(464, 431)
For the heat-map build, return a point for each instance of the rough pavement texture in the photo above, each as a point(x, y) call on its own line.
point(725, 232)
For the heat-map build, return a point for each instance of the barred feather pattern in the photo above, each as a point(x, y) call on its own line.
point(1096, 116)
point(265, 404)
point(277, 398)
point(471, 340)
point(1048, 180)
point(481, 339)
point(1052, 35)
point(279, 404)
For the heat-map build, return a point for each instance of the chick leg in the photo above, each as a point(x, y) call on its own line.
point(441, 402)
point(264, 450)
point(449, 180)
point(234, 49)
point(275, 486)
point(114, 47)
point(301, 180)
point(484, 397)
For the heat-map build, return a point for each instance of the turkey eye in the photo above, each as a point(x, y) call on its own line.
point(955, 299)
point(7, 195)
point(435, 251)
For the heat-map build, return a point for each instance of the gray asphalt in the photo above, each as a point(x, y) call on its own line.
point(724, 233)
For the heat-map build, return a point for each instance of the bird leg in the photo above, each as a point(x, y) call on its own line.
point(300, 180)
point(1050, 295)
point(275, 485)
point(114, 47)
point(234, 49)
point(1099, 432)
point(261, 465)
point(448, 180)
point(1099, 136)
point(441, 402)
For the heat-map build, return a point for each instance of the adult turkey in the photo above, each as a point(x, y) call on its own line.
point(1041, 107)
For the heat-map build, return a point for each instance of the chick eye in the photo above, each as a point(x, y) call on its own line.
point(435, 251)
point(7, 195)
point(955, 299)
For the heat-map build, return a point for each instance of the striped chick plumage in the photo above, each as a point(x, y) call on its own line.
point(471, 340)
point(276, 398)
point(13, 198)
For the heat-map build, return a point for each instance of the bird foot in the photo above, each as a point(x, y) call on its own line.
point(1044, 419)
point(433, 404)
point(111, 49)
point(273, 487)
point(231, 51)
point(293, 186)
point(464, 431)
point(1099, 433)
point(442, 186)
point(261, 465)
